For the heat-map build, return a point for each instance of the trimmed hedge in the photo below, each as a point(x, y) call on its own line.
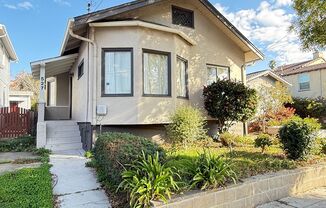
point(113, 151)
point(20, 144)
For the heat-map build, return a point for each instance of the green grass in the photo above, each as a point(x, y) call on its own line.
point(246, 161)
point(27, 188)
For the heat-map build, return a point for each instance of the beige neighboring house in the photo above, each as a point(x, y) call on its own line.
point(20, 99)
point(7, 54)
point(129, 67)
point(308, 78)
point(265, 78)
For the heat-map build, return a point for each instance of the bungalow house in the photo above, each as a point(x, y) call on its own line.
point(7, 54)
point(127, 68)
point(307, 78)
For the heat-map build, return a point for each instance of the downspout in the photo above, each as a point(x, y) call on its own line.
point(91, 41)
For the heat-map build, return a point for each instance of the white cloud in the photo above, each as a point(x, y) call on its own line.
point(268, 26)
point(63, 2)
point(21, 5)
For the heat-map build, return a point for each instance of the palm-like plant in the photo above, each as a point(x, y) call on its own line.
point(147, 180)
point(211, 172)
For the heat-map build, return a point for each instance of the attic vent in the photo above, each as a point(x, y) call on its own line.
point(183, 17)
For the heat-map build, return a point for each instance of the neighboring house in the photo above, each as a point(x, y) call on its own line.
point(129, 67)
point(262, 81)
point(7, 54)
point(308, 78)
point(20, 99)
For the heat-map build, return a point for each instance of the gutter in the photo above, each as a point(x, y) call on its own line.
point(7, 44)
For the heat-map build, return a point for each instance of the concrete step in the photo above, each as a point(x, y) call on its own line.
point(58, 128)
point(63, 140)
point(63, 134)
point(67, 146)
point(61, 122)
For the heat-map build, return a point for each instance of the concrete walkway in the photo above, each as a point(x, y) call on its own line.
point(8, 159)
point(75, 185)
point(312, 199)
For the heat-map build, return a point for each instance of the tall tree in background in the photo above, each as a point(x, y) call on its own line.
point(25, 82)
point(272, 64)
point(310, 23)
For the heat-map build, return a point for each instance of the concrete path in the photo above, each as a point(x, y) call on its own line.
point(312, 199)
point(7, 160)
point(12, 156)
point(75, 185)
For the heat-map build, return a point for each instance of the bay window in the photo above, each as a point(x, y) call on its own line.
point(156, 73)
point(117, 72)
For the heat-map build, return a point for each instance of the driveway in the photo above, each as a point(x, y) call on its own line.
point(312, 199)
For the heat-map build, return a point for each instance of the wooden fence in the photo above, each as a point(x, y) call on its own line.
point(16, 122)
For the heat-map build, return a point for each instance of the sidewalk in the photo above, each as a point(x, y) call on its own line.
point(75, 185)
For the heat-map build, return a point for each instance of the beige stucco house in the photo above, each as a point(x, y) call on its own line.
point(308, 78)
point(129, 67)
point(7, 54)
point(265, 78)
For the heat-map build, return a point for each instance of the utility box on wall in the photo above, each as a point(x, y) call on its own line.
point(101, 110)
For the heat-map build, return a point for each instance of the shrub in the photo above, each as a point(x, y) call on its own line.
point(187, 124)
point(227, 139)
point(211, 172)
point(309, 107)
point(263, 141)
point(147, 179)
point(323, 147)
point(20, 144)
point(113, 151)
point(229, 102)
point(297, 137)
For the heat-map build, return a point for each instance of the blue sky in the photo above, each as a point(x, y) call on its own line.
point(36, 27)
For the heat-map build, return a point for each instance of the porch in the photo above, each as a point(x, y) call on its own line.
point(55, 130)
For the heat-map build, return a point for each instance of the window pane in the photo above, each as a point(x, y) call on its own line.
point(223, 73)
point(156, 74)
point(181, 78)
point(118, 72)
point(211, 74)
point(304, 82)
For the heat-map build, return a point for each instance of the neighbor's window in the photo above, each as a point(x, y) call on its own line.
point(182, 82)
point(304, 82)
point(81, 69)
point(156, 73)
point(117, 69)
point(217, 72)
point(183, 17)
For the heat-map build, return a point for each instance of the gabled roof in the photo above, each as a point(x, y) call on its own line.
point(255, 75)
point(81, 22)
point(4, 37)
point(300, 67)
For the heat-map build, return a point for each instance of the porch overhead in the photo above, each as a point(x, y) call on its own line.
point(53, 66)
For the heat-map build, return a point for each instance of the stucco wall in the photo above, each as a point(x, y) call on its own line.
point(4, 76)
point(317, 84)
point(265, 81)
point(62, 90)
point(213, 48)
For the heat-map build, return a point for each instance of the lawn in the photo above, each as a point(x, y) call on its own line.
point(27, 188)
point(247, 160)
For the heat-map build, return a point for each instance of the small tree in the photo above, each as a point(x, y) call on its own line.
point(229, 102)
point(263, 141)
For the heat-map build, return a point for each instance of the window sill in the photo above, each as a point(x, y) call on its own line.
point(304, 90)
point(149, 95)
point(117, 95)
point(184, 98)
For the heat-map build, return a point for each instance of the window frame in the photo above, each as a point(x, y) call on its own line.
point(131, 94)
point(217, 65)
point(302, 90)
point(79, 65)
point(168, 54)
point(173, 7)
point(186, 77)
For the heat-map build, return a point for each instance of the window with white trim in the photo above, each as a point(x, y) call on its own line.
point(117, 72)
point(182, 82)
point(217, 72)
point(304, 81)
point(156, 73)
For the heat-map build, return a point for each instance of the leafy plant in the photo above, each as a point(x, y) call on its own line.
point(113, 151)
point(187, 125)
point(297, 137)
point(263, 141)
point(88, 154)
point(227, 139)
point(309, 107)
point(20, 144)
point(323, 147)
point(229, 102)
point(212, 172)
point(146, 180)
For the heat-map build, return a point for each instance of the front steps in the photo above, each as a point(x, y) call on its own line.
point(62, 135)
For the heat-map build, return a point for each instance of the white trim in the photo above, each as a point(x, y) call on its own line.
point(66, 37)
point(137, 23)
point(7, 43)
point(272, 74)
point(49, 60)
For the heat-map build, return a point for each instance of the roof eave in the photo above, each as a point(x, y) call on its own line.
point(7, 43)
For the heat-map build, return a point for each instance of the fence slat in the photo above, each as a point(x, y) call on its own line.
point(16, 122)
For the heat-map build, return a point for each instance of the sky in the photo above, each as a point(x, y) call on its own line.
point(37, 27)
